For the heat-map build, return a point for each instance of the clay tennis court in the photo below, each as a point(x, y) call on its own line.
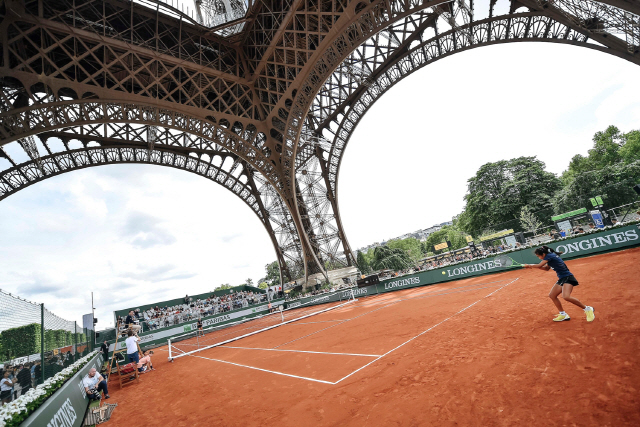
point(479, 351)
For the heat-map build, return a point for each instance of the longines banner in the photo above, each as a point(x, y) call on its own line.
point(571, 248)
point(159, 336)
point(66, 407)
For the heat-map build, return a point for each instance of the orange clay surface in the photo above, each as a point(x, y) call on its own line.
point(500, 362)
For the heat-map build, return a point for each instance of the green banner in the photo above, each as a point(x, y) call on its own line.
point(598, 242)
point(569, 214)
point(66, 407)
point(602, 241)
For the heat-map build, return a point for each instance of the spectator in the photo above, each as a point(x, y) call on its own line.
point(130, 323)
point(24, 379)
point(132, 347)
point(93, 384)
point(144, 364)
point(37, 373)
point(33, 373)
point(6, 386)
point(104, 348)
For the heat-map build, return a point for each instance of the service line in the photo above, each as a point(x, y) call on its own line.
point(303, 351)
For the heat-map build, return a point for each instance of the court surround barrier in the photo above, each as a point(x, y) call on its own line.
point(67, 406)
point(588, 244)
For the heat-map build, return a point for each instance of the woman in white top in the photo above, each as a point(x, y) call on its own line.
point(6, 387)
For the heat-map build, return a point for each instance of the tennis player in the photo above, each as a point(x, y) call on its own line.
point(565, 284)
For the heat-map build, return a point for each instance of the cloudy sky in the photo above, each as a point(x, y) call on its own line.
point(135, 234)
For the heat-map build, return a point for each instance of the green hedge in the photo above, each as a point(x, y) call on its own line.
point(25, 340)
point(21, 341)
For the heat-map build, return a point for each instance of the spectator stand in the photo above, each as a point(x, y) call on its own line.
point(180, 303)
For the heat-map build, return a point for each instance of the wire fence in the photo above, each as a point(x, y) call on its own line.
point(35, 344)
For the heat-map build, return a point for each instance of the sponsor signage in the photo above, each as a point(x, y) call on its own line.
point(599, 242)
point(443, 245)
point(66, 407)
point(596, 216)
point(572, 248)
point(569, 214)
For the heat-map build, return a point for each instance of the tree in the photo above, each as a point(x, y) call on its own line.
point(614, 183)
point(273, 274)
point(630, 151)
point(610, 148)
point(224, 286)
point(447, 233)
point(263, 285)
point(499, 190)
point(410, 245)
point(392, 259)
point(609, 170)
point(529, 221)
point(363, 265)
point(249, 282)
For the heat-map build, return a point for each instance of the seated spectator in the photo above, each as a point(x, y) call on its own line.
point(93, 384)
point(130, 324)
point(592, 226)
point(144, 364)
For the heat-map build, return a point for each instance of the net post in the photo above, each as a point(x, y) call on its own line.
point(169, 344)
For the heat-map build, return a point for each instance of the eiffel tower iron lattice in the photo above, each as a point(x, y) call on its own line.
point(260, 97)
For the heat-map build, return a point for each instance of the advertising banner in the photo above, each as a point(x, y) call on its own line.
point(572, 248)
point(66, 407)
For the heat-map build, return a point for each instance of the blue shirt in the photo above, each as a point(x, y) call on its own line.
point(558, 265)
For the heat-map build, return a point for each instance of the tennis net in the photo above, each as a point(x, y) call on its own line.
point(196, 341)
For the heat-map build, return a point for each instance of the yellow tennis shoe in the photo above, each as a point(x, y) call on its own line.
point(590, 314)
point(561, 318)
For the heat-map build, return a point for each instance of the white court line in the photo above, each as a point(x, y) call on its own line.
point(266, 370)
point(322, 321)
point(361, 368)
point(337, 324)
point(393, 301)
point(270, 327)
point(424, 332)
point(303, 351)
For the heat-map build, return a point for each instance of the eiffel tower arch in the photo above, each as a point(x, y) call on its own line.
point(260, 97)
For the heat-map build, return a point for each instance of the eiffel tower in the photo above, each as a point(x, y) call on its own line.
point(260, 97)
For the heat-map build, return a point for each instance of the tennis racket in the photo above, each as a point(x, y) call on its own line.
point(507, 262)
